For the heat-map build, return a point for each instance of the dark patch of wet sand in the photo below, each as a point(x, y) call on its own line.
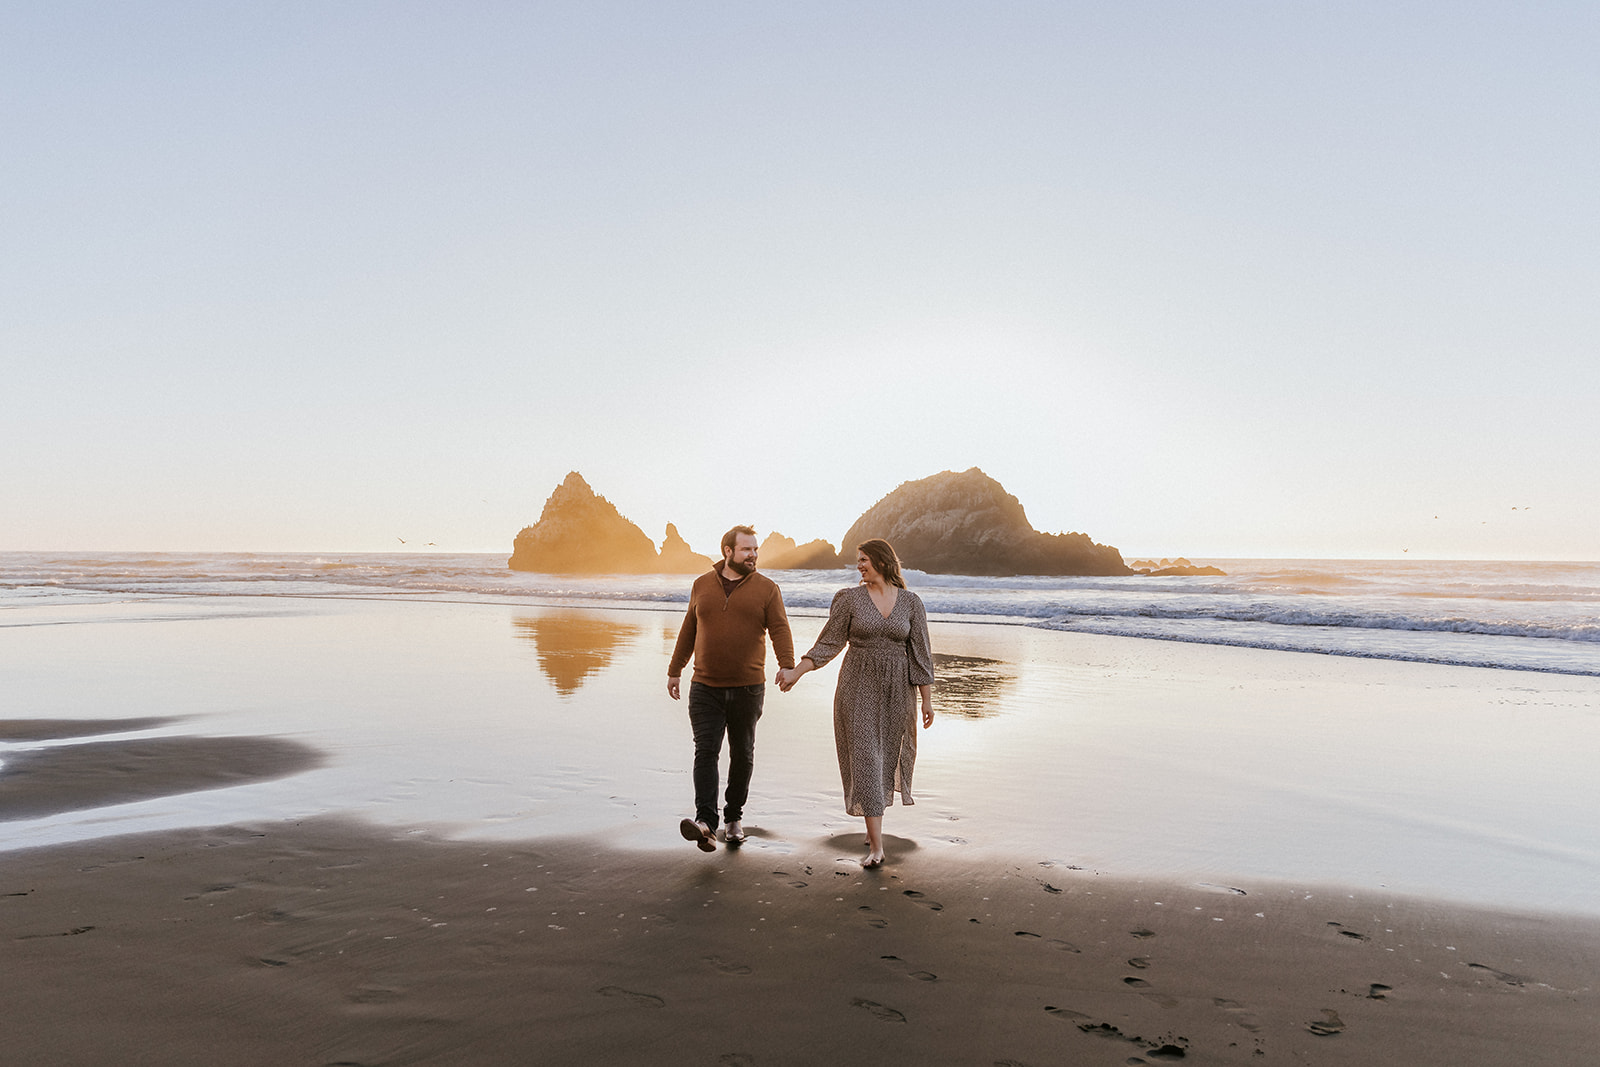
point(94, 774)
point(329, 942)
point(59, 729)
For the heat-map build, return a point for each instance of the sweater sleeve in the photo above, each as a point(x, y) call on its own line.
point(836, 634)
point(778, 630)
point(919, 654)
point(685, 646)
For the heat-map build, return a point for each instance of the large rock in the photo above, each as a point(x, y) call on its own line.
point(678, 558)
point(580, 532)
point(967, 523)
point(780, 553)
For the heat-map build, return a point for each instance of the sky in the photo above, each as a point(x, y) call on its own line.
point(1209, 279)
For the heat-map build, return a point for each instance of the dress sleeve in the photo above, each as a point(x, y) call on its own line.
point(836, 634)
point(919, 654)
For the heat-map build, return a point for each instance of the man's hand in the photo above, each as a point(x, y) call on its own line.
point(672, 688)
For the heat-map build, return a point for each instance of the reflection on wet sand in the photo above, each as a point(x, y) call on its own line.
point(573, 645)
point(970, 686)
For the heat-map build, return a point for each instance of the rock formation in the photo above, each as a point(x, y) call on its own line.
point(1170, 567)
point(949, 523)
point(678, 558)
point(780, 553)
point(967, 523)
point(580, 532)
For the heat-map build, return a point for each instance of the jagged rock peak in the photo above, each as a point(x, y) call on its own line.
point(966, 523)
point(780, 553)
point(678, 558)
point(581, 532)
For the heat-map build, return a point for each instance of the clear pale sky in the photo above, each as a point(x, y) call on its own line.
point(1210, 279)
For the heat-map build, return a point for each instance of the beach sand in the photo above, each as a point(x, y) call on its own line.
point(334, 942)
point(279, 831)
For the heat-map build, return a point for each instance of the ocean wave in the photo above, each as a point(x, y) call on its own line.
point(1533, 614)
point(1531, 654)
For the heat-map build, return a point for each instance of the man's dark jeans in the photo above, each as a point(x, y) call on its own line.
point(713, 711)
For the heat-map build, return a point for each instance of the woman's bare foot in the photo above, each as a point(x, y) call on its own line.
point(873, 859)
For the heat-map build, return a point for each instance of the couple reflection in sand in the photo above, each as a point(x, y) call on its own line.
point(879, 625)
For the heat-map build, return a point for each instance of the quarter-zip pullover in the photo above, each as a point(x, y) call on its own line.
point(726, 631)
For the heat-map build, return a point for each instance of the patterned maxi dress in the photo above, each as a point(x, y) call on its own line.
point(874, 703)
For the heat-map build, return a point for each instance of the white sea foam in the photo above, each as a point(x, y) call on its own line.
point(1526, 616)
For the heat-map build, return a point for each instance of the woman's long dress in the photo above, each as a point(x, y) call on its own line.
point(874, 703)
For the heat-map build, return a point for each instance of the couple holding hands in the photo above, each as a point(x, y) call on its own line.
point(881, 627)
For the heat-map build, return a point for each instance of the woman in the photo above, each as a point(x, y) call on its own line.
point(874, 719)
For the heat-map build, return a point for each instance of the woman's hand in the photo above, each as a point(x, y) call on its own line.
point(787, 678)
point(927, 705)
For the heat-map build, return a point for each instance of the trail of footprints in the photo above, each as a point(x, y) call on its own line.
point(1328, 1022)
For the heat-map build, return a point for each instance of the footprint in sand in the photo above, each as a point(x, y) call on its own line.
point(1140, 962)
point(1379, 991)
point(1105, 1030)
point(1350, 933)
point(1508, 979)
point(931, 905)
point(646, 1000)
point(1066, 1013)
point(901, 965)
point(375, 994)
point(1238, 1014)
point(1135, 983)
point(796, 884)
point(881, 1012)
point(1062, 946)
point(1328, 1025)
point(1030, 935)
point(1142, 934)
point(74, 932)
point(211, 889)
point(725, 967)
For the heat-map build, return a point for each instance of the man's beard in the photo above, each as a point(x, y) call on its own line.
point(741, 569)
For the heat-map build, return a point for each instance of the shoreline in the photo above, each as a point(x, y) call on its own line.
point(660, 607)
point(1143, 758)
point(336, 941)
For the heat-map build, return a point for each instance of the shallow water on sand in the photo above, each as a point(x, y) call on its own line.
point(1112, 754)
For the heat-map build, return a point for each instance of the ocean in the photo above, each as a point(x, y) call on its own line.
point(1533, 616)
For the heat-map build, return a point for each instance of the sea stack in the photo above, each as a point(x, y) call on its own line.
point(678, 558)
point(581, 532)
point(967, 523)
point(780, 553)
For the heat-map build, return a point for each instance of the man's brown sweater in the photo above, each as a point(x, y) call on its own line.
point(725, 631)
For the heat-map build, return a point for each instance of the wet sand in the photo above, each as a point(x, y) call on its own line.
point(403, 833)
point(336, 942)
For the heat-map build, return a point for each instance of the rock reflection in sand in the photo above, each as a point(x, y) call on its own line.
point(970, 686)
point(573, 646)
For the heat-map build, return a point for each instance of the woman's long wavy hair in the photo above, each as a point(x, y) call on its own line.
point(884, 561)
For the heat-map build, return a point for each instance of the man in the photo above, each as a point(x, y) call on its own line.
point(732, 610)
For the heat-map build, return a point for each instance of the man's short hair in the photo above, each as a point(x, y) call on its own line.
point(731, 538)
